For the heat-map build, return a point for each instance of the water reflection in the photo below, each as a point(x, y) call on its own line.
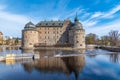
point(65, 65)
point(114, 57)
point(51, 65)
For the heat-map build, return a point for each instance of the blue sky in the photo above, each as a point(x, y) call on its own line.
point(97, 16)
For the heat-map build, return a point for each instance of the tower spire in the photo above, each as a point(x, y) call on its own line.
point(76, 18)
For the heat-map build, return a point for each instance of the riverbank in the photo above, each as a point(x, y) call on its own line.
point(112, 49)
point(4, 47)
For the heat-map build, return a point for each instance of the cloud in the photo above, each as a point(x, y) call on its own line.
point(105, 28)
point(11, 24)
point(96, 17)
point(89, 23)
point(13, 17)
point(96, 14)
point(74, 11)
point(111, 12)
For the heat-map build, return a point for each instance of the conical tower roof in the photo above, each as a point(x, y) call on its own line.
point(77, 24)
point(29, 25)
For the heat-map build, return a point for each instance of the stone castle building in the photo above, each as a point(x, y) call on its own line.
point(54, 33)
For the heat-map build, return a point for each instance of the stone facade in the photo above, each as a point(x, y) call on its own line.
point(1, 38)
point(52, 33)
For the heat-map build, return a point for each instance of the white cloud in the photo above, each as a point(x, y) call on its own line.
point(105, 28)
point(11, 24)
point(89, 23)
point(13, 17)
point(111, 12)
point(74, 11)
point(98, 16)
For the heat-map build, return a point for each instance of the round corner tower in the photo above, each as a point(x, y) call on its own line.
point(29, 36)
point(78, 35)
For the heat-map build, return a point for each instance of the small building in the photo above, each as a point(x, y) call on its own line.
point(54, 33)
point(1, 38)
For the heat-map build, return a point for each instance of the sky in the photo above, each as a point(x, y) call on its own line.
point(97, 16)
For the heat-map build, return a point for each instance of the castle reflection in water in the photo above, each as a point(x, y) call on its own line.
point(50, 64)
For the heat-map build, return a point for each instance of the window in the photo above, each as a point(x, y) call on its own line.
point(60, 31)
point(77, 41)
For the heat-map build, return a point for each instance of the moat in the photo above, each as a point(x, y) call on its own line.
point(93, 64)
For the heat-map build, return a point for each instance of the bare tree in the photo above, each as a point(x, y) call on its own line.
point(114, 37)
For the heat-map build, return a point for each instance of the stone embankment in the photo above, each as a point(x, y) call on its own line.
point(112, 49)
point(109, 48)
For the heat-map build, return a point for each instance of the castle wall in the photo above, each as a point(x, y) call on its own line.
point(79, 38)
point(71, 35)
point(53, 35)
point(30, 37)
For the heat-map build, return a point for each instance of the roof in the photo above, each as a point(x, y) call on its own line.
point(50, 24)
point(29, 25)
point(76, 24)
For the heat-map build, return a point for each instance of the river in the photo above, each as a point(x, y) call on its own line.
point(93, 64)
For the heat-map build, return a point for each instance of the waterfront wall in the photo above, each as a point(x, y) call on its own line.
point(113, 49)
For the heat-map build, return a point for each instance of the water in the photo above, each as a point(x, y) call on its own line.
point(63, 65)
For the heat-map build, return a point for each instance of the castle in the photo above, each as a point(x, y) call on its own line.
point(54, 33)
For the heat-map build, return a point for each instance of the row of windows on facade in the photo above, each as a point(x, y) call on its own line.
point(46, 32)
point(45, 42)
point(52, 24)
point(47, 37)
point(53, 37)
point(50, 32)
point(78, 37)
point(79, 41)
point(55, 28)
